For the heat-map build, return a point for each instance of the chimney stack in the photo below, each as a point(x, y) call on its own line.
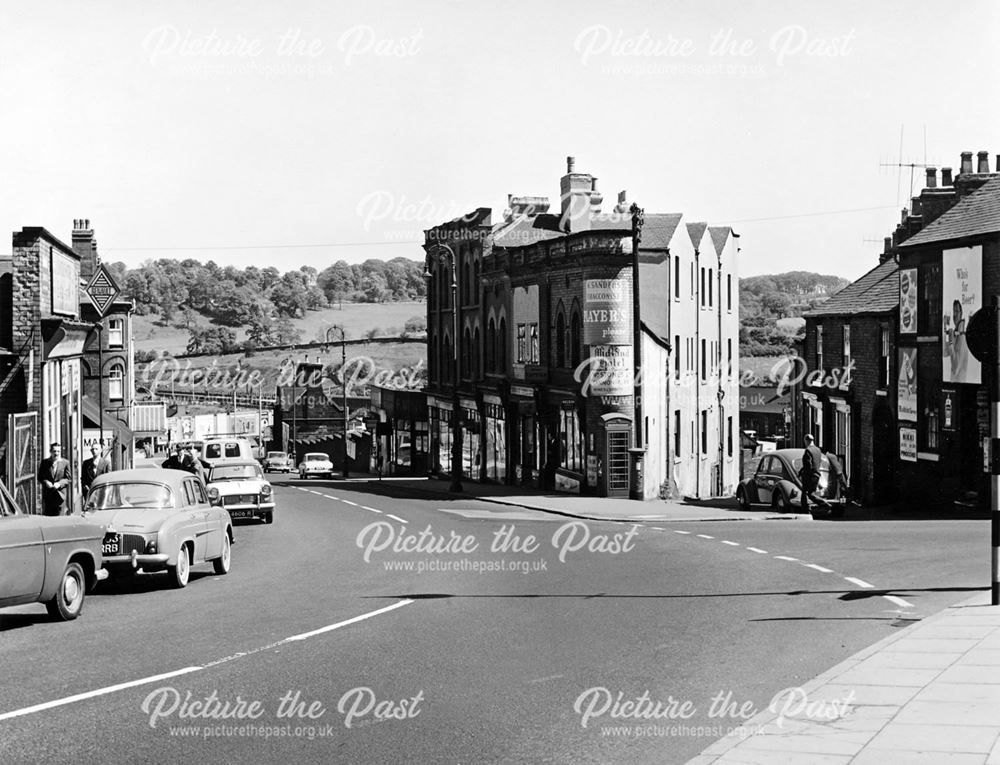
point(576, 191)
point(946, 176)
point(966, 162)
point(984, 162)
point(85, 245)
point(596, 197)
point(932, 177)
point(622, 206)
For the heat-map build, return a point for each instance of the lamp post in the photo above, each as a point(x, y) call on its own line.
point(99, 327)
point(343, 383)
point(443, 254)
point(638, 451)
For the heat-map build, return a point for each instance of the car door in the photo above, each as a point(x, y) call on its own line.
point(213, 529)
point(22, 553)
point(765, 480)
point(196, 520)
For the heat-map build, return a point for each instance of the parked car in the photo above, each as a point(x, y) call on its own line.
point(777, 483)
point(278, 462)
point(242, 489)
point(315, 463)
point(51, 560)
point(158, 519)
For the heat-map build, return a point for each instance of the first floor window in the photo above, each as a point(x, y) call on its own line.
point(677, 433)
point(521, 341)
point(116, 333)
point(535, 355)
point(116, 382)
point(704, 431)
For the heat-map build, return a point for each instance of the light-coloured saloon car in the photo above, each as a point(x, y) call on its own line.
point(159, 519)
point(315, 463)
point(242, 489)
point(50, 560)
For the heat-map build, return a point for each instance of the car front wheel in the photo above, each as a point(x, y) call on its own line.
point(180, 573)
point(222, 563)
point(742, 499)
point(780, 502)
point(67, 603)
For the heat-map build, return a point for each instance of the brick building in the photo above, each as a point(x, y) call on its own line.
point(545, 388)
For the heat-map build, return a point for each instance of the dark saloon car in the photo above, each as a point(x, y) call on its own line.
point(777, 483)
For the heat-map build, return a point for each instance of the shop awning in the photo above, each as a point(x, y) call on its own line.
point(92, 417)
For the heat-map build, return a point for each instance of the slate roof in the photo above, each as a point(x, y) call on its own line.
point(697, 232)
point(524, 230)
point(978, 213)
point(658, 229)
point(875, 292)
point(720, 235)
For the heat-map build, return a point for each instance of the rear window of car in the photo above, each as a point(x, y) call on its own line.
point(315, 457)
point(275, 455)
point(114, 495)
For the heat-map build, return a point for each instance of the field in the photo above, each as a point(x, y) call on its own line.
point(357, 319)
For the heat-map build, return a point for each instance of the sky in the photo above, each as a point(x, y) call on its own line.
point(304, 133)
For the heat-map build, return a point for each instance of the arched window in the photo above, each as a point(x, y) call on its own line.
point(575, 339)
point(560, 339)
point(435, 359)
point(476, 340)
point(432, 290)
point(447, 360)
point(116, 382)
point(502, 346)
point(491, 347)
point(466, 353)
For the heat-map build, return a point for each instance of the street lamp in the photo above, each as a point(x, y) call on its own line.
point(343, 382)
point(443, 254)
point(99, 327)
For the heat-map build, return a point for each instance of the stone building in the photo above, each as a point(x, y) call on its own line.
point(546, 349)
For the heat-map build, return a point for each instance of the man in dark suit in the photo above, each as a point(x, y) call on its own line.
point(54, 476)
point(91, 468)
point(812, 459)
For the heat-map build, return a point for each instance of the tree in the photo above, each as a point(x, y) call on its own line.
point(374, 288)
point(415, 325)
point(285, 332)
point(336, 281)
point(212, 340)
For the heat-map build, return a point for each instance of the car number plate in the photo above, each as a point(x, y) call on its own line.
point(241, 513)
point(110, 548)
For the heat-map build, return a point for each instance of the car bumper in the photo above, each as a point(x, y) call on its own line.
point(248, 510)
point(137, 560)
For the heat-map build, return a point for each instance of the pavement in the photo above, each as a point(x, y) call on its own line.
point(587, 508)
point(927, 694)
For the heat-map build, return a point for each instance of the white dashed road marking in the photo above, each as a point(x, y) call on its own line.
point(374, 510)
point(785, 557)
point(898, 601)
point(706, 536)
point(860, 583)
point(348, 502)
point(727, 542)
point(814, 567)
point(676, 531)
point(757, 550)
point(395, 517)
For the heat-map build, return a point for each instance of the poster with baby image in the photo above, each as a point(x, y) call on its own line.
point(961, 296)
point(908, 301)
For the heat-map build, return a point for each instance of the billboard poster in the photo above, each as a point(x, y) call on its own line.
point(961, 296)
point(908, 301)
point(607, 312)
point(906, 390)
point(908, 444)
point(611, 372)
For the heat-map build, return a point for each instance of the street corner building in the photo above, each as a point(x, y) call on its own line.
point(52, 386)
point(892, 387)
point(551, 365)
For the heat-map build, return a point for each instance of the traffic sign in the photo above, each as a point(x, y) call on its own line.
point(102, 290)
point(981, 334)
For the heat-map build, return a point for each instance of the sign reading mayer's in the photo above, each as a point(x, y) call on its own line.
point(607, 312)
point(102, 290)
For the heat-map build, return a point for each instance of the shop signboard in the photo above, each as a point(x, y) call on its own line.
point(607, 312)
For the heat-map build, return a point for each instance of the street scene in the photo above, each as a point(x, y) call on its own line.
point(446, 383)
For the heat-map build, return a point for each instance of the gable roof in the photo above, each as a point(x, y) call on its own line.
point(658, 229)
point(875, 292)
point(978, 213)
point(720, 235)
point(697, 232)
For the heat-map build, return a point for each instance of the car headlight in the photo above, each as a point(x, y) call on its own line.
point(265, 490)
point(151, 547)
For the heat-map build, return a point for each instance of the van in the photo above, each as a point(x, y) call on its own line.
point(227, 448)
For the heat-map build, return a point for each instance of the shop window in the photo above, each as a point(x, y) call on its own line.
point(533, 333)
point(116, 382)
point(560, 340)
point(929, 317)
point(521, 343)
point(116, 333)
point(571, 440)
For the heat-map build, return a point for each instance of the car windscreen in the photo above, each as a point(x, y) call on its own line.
point(316, 458)
point(275, 455)
point(139, 495)
point(233, 472)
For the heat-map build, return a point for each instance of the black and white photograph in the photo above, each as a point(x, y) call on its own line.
point(459, 382)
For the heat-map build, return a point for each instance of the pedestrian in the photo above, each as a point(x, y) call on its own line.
point(91, 468)
point(812, 459)
point(838, 476)
point(173, 461)
point(55, 478)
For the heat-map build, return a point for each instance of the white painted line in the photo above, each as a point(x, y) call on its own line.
point(338, 625)
point(727, 542)
point(814, 567)
point(860, 583)
point(898, 601)
point(658, 528)
point(374, 510)
point(785, 557)
point(330, 496)
point(395, 517)
point(313, 491)
point(705, 536)
point(681, 532)
point(348, 502)
point(94, 694)
point(757, 550)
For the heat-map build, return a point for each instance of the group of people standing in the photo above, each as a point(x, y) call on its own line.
point(55, 474)
point(184, 458)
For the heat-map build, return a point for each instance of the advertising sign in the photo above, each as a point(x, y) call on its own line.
point(65, 284)
point(906, 391)
point(949, 409)
point(961, 296)
point(607, 312)
point(611, 370)
point(908, 444)
point(908, 301)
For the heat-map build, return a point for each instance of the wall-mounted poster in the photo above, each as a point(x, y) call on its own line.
point(607, 312)
point(961, 296)
point(906, 390)
point(908, 444)
point(908, 301)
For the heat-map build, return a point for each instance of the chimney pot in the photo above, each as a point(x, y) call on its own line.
point(571, 164)
point(903, 214)
point(932, 177)
point(984, 162)
point(966, 162)
point(946, 176)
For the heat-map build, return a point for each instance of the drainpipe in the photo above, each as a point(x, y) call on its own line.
point(697, 373)
point(721, 392)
